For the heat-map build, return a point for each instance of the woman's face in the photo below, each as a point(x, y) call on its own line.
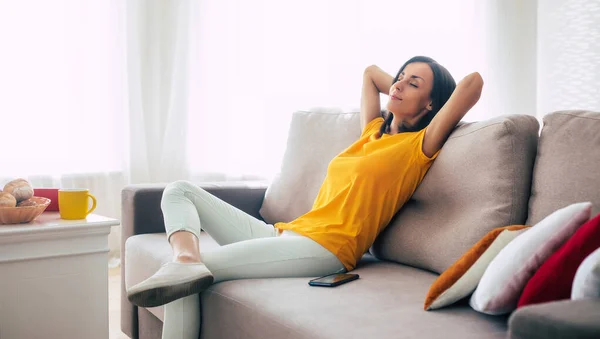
point(410, 95)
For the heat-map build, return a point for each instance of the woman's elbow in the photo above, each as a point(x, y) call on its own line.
point(477, 80)
point(370, 69)
point(472, 84)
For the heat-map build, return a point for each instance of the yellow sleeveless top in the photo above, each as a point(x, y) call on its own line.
point(364, 187)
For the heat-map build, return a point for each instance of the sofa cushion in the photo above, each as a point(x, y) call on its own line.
point(290, 308)
point(145, 253)
point(386, 302)
point(479, 181)
point(566, 166)
point(461, 279)
point(554, 279)
point(315, 137)
point(587, 278)
point(503, 281)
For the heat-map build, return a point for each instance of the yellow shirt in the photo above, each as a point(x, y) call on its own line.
point(364, 187)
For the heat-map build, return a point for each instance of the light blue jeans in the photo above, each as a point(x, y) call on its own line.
point(250, 248)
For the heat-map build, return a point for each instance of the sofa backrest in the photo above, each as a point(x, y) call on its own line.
point(314, 138)
point(567, 166)
point(480, 180)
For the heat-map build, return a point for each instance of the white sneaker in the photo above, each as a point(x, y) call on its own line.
point(172, 281)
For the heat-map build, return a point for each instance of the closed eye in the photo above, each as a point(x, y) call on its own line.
point(415, 86)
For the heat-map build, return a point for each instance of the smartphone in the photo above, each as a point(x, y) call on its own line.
point(333, 279)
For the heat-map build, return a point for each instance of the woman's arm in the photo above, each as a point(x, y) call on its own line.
point(375, 81)
point(465, 95)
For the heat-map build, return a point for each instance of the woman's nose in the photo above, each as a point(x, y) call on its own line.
point(399, 85)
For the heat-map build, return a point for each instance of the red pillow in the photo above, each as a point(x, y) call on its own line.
point(554, 279)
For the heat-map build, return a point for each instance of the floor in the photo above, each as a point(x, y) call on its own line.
point(114, 304)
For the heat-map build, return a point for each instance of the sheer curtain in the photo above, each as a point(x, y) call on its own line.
point(157, 68)
point(93, 94)
point(253, 63)
point(568, 55)
point(542, 56)
point(62, 98)
point(101, 94)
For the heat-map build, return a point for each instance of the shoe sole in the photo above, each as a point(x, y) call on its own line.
point(165, 294)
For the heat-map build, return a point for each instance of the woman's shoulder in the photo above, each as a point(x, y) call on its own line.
point(372, 127)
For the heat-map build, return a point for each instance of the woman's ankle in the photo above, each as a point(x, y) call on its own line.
point(186, 258)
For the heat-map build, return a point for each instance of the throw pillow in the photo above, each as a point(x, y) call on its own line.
point(504, 279)
point(461, 279)
point(554, 279)
point(587, 278)
point(315, 137)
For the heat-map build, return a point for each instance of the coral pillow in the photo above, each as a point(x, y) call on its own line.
point(554, 279)
point(502, 283)
point(461, 279)
point(587, 279)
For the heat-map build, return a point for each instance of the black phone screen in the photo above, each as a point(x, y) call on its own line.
point(333, 279)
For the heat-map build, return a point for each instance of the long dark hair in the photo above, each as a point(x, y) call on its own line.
point(443, 86)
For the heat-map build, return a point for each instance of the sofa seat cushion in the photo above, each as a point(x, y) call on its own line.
point(386, 302)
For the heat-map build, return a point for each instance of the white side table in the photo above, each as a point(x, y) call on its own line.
point(54, 278)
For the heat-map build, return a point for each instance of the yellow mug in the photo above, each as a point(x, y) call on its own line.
point(73, 203)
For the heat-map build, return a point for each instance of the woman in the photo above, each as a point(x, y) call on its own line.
point(365, 186)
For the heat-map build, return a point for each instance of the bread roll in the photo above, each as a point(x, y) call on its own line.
point(28, 202)
point(7, 200)
point(20, 189)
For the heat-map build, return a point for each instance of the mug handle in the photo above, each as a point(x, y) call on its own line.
point(93, 204)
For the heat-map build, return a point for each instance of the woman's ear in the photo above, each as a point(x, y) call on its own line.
point(430, 106)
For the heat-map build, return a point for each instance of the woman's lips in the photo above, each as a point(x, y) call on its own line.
point(395, 98)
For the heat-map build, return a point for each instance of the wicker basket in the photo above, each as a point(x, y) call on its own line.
point(25, 214)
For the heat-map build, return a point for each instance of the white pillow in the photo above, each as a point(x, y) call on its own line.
point(315, 138)
point(505, 278)
point(587, 278)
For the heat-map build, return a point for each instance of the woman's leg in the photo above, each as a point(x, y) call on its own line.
point(284, 256)
point(182, 318)
point(187, 209)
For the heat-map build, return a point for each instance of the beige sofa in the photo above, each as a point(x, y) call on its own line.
point(489, 174)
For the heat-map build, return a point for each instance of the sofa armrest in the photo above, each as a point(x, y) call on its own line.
point(141, 213)
point(558, 319)
point(140, 203)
